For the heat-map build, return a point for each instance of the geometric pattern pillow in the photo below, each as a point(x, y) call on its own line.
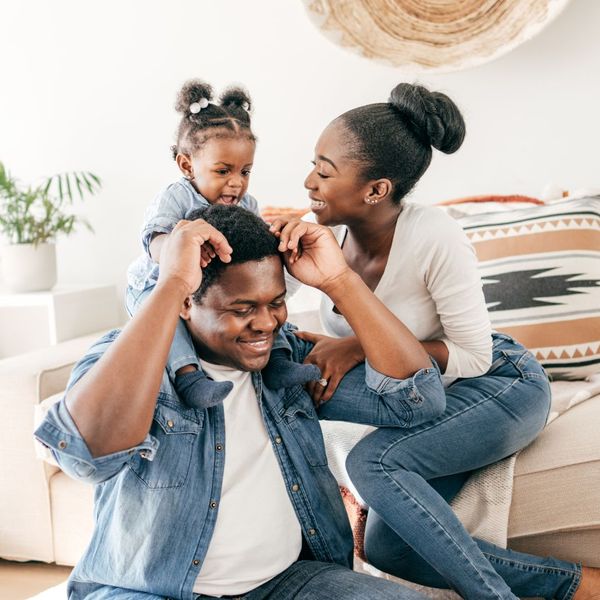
point(540, 269)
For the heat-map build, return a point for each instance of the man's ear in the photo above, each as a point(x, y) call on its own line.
point(186, 310)
point(184, 162)
point(379, 190)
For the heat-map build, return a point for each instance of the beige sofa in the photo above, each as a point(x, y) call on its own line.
point(46, 516)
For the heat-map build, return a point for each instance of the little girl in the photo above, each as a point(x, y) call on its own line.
point(214, 152)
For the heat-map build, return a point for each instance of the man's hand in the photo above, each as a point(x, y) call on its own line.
point(312, 254)
point(189, 248)
point(334, 357)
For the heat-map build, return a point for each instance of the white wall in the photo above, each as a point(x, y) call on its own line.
point(90, 85)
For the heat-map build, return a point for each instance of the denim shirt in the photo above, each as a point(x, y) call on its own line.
point(172, 204)
point(156, 503)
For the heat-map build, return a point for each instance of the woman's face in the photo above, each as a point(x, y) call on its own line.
point(335, 187)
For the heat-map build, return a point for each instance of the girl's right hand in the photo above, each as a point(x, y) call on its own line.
point(182, 257)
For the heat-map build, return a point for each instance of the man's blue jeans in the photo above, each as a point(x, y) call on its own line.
point(408, 476)
point(312, 580)
point(304, 580)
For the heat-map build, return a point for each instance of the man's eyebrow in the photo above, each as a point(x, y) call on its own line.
point(327, 160)
point(253, 302)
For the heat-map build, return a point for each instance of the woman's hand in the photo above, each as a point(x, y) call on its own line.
point(312, 254)
point(189, 248)
point(334, 357)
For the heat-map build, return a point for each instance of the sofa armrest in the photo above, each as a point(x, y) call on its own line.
point(25, 380)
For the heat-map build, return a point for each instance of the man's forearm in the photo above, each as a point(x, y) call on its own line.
point(113, 403)
point(389, 345)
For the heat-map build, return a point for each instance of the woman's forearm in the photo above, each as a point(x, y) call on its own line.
point(388, 344)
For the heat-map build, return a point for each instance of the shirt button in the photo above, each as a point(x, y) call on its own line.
point(278, 440)
point(312, 531)
point(62, 444)
point(295, 487)
point(196, 562)
point(213, 504)
point(170, 423)
point(219, 447)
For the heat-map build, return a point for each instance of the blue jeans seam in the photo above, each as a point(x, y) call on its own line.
point(531, 566)
point(448, 536)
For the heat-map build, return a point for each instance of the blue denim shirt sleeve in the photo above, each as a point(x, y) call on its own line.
point(369, 397)
point(59, 432)
point(167, 209)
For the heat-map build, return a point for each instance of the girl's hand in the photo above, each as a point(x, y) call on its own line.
point(334, 357)
point(312, 254)
point(182, 255)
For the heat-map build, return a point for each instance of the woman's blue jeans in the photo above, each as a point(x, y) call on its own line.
point(408, 476)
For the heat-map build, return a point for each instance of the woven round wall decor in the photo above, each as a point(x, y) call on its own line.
point(432, 35)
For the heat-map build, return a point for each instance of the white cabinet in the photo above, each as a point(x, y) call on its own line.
point(39, 319)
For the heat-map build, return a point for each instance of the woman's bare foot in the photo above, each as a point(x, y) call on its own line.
point(589, 588)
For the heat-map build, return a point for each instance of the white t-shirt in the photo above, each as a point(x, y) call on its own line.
point(257, 534)
point(431, 283)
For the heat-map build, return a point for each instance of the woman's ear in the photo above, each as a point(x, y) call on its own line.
point(379, 190)
point(186, 311)
point(184, 162)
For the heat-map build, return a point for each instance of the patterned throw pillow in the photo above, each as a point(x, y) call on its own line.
point(540, 269)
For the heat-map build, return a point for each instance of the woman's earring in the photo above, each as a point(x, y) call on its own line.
point(189, 177)
point(370, 201)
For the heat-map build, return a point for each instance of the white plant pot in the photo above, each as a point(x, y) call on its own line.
point(29, 268)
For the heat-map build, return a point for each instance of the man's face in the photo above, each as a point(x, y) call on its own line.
point(239, 316)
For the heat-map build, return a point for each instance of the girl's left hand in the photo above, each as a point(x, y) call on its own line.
point(312, 254)
point(334, 357)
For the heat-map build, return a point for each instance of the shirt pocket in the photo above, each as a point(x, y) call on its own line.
point(303, 423)
point(176, 430)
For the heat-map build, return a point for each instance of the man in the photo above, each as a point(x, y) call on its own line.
point(234, 500)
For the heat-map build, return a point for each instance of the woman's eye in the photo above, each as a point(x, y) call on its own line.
point(323, 176)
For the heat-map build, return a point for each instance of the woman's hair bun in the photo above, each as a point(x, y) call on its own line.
point(236, 97)
point(434, 117)
point(193, 90)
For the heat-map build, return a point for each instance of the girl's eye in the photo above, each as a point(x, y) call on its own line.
point(222, 171)
point(246, 173)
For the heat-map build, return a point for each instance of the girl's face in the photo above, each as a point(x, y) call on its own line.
point(221, 168)
point(335, 187)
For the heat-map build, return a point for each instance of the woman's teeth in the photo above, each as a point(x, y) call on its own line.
point(317, 204)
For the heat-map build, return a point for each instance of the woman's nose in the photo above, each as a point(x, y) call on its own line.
point(309, 182)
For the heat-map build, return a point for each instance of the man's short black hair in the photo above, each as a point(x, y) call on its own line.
point(247, 234)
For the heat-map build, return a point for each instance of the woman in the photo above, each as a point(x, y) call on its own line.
point(420, 264)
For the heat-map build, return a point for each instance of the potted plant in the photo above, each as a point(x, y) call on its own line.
point(30, 220)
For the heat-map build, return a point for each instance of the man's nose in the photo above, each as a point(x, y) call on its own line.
point(264, 320)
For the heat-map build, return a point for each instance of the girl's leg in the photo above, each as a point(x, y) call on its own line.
point(487, 418)
point(191, 384)
point(281, 370)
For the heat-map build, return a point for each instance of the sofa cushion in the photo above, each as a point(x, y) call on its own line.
point(540, 269)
